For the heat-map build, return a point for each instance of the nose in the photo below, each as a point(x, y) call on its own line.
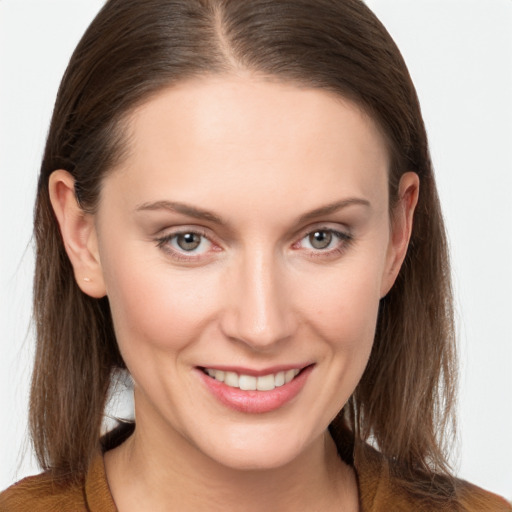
point(259, 312)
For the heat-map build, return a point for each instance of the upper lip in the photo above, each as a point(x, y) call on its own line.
point(242, 370)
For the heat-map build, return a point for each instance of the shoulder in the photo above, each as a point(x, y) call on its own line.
point(382, 489)
point(473, 498)
point(42, 493)
point(465, 497)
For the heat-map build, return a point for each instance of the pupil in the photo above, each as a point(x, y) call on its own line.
point(320, 239)
point(188, 241)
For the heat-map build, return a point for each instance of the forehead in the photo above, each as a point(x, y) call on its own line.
point(251, 136)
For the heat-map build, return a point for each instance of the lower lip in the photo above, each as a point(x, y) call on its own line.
point(256, 402)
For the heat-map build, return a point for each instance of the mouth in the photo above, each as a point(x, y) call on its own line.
point(245, 382)
point(255, 391)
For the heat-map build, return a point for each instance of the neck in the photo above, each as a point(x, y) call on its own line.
point(157, 467)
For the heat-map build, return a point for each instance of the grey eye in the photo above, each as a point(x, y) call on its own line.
point(188, 241)
point(320, 239)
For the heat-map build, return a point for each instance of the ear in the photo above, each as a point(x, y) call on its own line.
point(78, 233)
point(401, 228)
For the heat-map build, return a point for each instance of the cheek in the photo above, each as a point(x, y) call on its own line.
point(154, 308)
point(345, 304)
point(342, 307)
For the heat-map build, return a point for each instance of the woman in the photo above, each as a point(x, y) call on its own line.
point(236, 204)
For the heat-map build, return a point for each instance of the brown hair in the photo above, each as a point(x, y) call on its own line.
point(132, 50)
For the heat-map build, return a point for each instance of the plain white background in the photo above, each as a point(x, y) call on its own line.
point(459, 53)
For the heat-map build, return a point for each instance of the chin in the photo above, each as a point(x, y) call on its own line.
point(255, 460)
point(256, 451)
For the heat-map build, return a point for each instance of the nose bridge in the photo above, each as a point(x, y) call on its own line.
point(260, 313)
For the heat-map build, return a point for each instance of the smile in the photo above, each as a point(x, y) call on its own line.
point(252, 383)
point(255, 391)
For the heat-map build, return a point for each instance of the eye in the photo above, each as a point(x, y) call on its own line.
point(186, 243)
point(320, 239)
point(324, 240)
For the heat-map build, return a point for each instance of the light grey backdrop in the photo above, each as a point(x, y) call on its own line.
point(459, 53)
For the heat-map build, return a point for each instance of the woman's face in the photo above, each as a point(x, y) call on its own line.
point(246, 238)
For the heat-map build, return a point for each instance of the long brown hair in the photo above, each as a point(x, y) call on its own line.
point(135, 48)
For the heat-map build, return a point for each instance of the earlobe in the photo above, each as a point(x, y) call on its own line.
point(78, 233)
point(401, 228)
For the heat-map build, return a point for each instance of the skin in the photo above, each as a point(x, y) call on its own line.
point(260, 155)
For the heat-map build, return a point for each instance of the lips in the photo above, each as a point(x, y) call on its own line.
point(250, 391)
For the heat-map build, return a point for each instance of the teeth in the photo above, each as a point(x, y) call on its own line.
point(279, 379)
point(288, 376)
point(247, 382)
point(231, 379)
point(251, 383)
point(266, 383)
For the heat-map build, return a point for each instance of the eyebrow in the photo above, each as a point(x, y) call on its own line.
point(185, 209)
point(199, 213)
point(333, 208)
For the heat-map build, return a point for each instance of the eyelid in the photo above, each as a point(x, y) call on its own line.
point(342, 231)
point(182, 230)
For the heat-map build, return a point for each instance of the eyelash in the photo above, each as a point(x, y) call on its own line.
point(344, 241)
